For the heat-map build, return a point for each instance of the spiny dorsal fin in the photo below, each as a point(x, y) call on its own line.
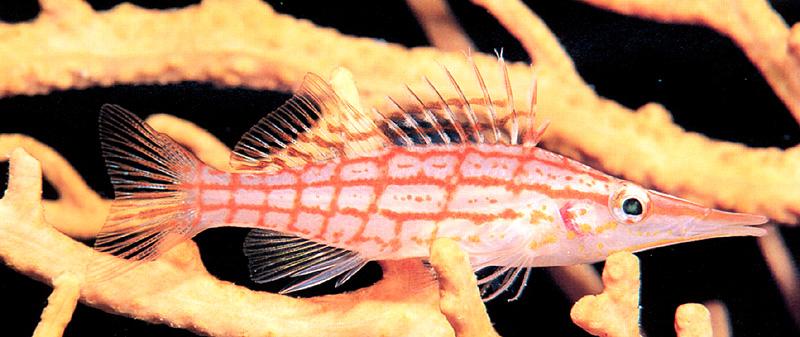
point(273, 255)
point(314, 125)
point(458, 119)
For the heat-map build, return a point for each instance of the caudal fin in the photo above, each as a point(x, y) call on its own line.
point(153, 210)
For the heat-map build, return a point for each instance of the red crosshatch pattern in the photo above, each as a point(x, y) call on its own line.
point(397, 203)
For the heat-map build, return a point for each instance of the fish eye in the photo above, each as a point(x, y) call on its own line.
point(629, 204)
point(632, 206)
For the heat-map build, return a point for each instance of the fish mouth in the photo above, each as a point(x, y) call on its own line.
point(704, 222)
point(716, 223)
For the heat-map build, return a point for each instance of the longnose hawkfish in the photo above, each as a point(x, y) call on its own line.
point(327, 187)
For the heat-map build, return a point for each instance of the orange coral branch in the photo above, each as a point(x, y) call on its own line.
point(462, 306)
point(60, 306)
point(79, 211)
point(577, 281)
point(203, 144)
point(541, 44)
point(752, 24)
point(440, 25)
point(615, 312)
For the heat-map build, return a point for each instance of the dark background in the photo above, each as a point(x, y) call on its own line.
point(700, 76)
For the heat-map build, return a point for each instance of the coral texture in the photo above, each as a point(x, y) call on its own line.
point(60, 306)
point(693, 320)
point(615, 312)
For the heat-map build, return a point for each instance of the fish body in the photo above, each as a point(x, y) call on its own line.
point(325, 195)
point(393, 204)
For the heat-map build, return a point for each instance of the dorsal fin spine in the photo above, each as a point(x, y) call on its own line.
point(473, 121)
point(280, 117)
point(301, 135)
point(510, 98)
point(362, 123)
point(411, 122)
point(430, 117)
point(312, 120)
point(531, 136)
point(540, 132)
point(462, 136)
point(487, 100)
point(395, 128)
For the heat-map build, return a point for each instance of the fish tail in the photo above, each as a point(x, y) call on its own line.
point(154, 207)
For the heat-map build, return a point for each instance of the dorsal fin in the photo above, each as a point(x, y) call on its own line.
point(317, 124)
point(459, 119)
point(314, 125)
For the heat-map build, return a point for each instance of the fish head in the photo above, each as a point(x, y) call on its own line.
point(628, 217)
point(648, 219)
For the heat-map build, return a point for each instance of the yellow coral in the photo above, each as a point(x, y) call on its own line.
point(615, 312)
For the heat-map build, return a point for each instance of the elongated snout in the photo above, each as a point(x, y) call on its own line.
point(701, 222)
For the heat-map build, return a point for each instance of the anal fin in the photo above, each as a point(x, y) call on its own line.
point(273, 255)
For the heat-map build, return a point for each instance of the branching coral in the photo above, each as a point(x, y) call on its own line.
point(439, 24)
point(79, 211)
point(60, 306)
point(615, 312)
point(244, 43)
point(457, 293)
